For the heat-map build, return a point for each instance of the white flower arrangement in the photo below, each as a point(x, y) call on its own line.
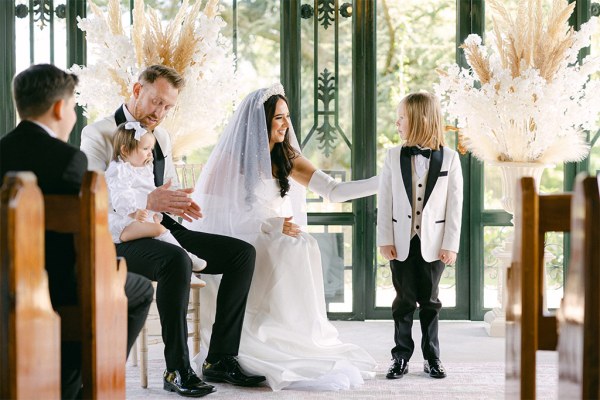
point(191, 43)
point(525, 97)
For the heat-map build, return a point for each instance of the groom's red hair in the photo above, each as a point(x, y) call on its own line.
point(153, 72)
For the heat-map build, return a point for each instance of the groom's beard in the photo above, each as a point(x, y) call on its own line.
point(148, 121)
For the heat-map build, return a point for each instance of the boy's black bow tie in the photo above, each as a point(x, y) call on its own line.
point(414, 150)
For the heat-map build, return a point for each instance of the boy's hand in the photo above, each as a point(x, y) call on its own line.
point(447, 257)
point(388, 252)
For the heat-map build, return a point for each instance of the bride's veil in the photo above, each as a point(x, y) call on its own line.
point(232, 181)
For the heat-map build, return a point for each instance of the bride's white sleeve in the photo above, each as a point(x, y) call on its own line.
point(338, 192)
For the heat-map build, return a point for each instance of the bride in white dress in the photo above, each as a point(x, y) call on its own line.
point(245, 192)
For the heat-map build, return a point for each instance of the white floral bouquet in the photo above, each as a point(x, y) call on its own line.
point(191, 43)
point(525, 98)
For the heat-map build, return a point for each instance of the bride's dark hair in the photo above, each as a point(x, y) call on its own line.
point(283, 154)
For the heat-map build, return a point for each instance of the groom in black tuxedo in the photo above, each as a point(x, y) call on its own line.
point(152, 97)
point(44, 96)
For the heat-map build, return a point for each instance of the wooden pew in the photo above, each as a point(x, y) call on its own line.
point(100, 319)
point(579, 314)
point(30, 329)
point(528, 327)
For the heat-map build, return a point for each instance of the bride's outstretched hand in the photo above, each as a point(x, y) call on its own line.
point(290, 228)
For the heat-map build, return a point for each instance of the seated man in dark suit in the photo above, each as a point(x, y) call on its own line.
point(44, 97)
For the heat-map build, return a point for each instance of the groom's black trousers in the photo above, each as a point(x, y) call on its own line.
point(171, 268)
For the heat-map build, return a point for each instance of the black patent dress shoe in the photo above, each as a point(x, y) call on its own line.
point(398, 369)
point(186, 383)
point(434, 368)
point(228, 370)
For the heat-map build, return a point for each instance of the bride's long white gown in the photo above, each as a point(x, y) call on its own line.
point(286, 335)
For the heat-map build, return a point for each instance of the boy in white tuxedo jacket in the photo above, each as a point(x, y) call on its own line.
point(418, 226)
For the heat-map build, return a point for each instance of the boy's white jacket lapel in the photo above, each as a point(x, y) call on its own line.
point(442, 211)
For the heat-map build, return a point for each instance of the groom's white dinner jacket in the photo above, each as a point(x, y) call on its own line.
point(442, 210)
point(97, 139)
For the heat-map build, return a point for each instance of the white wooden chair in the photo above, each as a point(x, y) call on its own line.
point(188, 174)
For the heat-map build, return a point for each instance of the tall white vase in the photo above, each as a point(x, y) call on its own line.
point(512, 172)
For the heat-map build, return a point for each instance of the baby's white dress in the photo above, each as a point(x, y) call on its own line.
point(128, 189)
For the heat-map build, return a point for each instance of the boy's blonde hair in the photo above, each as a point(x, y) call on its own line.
point(425, 124)
point(125, 138)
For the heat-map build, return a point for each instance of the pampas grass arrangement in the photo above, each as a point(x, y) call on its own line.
point(190, 43)
point(525, 98)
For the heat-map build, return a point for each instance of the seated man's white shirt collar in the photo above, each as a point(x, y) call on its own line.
point(128, 116)
point(44, 127)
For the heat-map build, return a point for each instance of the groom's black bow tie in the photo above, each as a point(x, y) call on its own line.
point(414, 150)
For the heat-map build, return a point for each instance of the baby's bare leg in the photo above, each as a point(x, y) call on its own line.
point(139, 230)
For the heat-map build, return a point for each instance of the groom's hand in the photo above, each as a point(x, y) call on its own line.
point(176, 202)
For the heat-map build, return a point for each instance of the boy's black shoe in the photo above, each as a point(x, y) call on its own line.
point(398, 369)
point(434, 368)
